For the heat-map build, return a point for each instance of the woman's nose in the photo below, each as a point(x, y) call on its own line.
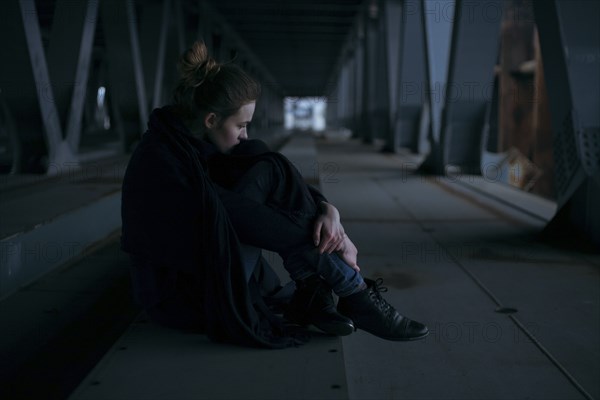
point(244, 134)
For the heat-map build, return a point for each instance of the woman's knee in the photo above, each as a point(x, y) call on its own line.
point(259, 181)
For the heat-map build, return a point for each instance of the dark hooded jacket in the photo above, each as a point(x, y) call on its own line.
point(173, 218)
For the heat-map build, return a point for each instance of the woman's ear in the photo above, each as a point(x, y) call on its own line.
point(210, 120)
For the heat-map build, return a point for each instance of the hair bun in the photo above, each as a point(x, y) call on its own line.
point(195, 66)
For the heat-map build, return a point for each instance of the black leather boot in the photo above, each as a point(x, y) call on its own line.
point(372, 313)
point(312, 303)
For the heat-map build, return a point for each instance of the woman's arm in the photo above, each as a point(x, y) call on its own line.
point(329, 235)
point(276, 232)
point(328, 232)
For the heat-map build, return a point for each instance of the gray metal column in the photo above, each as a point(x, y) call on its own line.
point(27, 82)
point(339, 93)
point(349, 83)
point(173, 51)
point(469, 87)
point(205, 26)
point(276, 112)
point(179, 25)
point(369, 72)
point(23, 88)
point(69, 56)
point(332, 109)
point(343, 98)
point(8, 129)
point(272, 110)
point(266, 100)
point(581, 35)
point(570, 44)
point(569, 173)
point(351, 119)
point(358, 83)
point(154, 30)
point(19, 93)
point(262, 112)
point(412, 78)
point(126, 78)
point(41, 77)
point(380, 118)
point(279, 111)
point(438, 18)
point(392, 24)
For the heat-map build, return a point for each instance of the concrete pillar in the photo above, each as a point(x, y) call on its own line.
point(470, 81)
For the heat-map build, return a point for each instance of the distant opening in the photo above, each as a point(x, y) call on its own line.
point(101, 112)
point(305, 113)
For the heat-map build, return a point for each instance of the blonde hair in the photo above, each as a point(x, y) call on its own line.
point(207, 86)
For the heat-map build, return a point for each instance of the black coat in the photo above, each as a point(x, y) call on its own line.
point(172, 214)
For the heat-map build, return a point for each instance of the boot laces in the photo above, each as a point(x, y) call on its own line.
point(375, 293)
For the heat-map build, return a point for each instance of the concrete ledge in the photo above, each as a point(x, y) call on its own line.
point(510, 199)
point(150, 362)
point(48, 221)
point(58, 328)
point(26, 256)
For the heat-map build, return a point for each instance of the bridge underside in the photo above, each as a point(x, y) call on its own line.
point(461, 146)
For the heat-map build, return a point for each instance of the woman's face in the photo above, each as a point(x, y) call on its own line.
point(232, 130)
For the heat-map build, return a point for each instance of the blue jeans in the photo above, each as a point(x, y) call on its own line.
point(290, 237)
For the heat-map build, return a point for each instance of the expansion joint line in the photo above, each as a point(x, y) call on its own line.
point(493, 297)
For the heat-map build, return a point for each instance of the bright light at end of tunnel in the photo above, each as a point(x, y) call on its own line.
point(100, 96)
point(305, 113)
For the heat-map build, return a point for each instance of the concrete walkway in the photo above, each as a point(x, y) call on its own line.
point(510, 317)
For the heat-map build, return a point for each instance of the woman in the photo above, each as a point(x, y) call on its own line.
point(200, 200)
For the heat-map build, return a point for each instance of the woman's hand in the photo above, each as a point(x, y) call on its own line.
point(329, 232)
point(348, 252)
